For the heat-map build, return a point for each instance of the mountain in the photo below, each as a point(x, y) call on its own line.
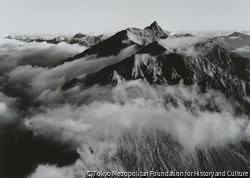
point(213, 68)
point(87, 40)
point(59, 39)
point(130, 37)
point(79, 35)
point(236, 35)
point(226, 71)
point(235, 40)
point(158, 31)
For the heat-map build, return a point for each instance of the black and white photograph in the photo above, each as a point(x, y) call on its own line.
point(124, 88)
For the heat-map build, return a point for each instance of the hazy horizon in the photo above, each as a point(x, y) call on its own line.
point(62, 16)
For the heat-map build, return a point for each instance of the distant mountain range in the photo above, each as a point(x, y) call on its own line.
point(79, 38)
point(236, 40)
point(231, 42)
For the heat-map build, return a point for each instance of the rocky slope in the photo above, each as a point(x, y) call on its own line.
point(124, 39)
point(212, 68)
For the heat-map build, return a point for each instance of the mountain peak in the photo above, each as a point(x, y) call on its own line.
point(79, 35)
point(154, 24)
point(237, 34)
point(234, 34)
point(159, 32)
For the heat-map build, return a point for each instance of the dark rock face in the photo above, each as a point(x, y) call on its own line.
point(123, 39)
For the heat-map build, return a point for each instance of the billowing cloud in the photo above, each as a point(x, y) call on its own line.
point(139, 113)
point(44, 81)
point(8, 113)
point(134, 104)
point(23, 73)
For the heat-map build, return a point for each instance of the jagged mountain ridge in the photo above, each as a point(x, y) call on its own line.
point(215, 68)
point(215, 60)
point(124, 39)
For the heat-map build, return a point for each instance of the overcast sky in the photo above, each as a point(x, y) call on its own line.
point(113, 15)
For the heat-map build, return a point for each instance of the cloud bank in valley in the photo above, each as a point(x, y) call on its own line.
point(184, 45)
point(15, 53)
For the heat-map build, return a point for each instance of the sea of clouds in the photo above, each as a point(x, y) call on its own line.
point(106, 125)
